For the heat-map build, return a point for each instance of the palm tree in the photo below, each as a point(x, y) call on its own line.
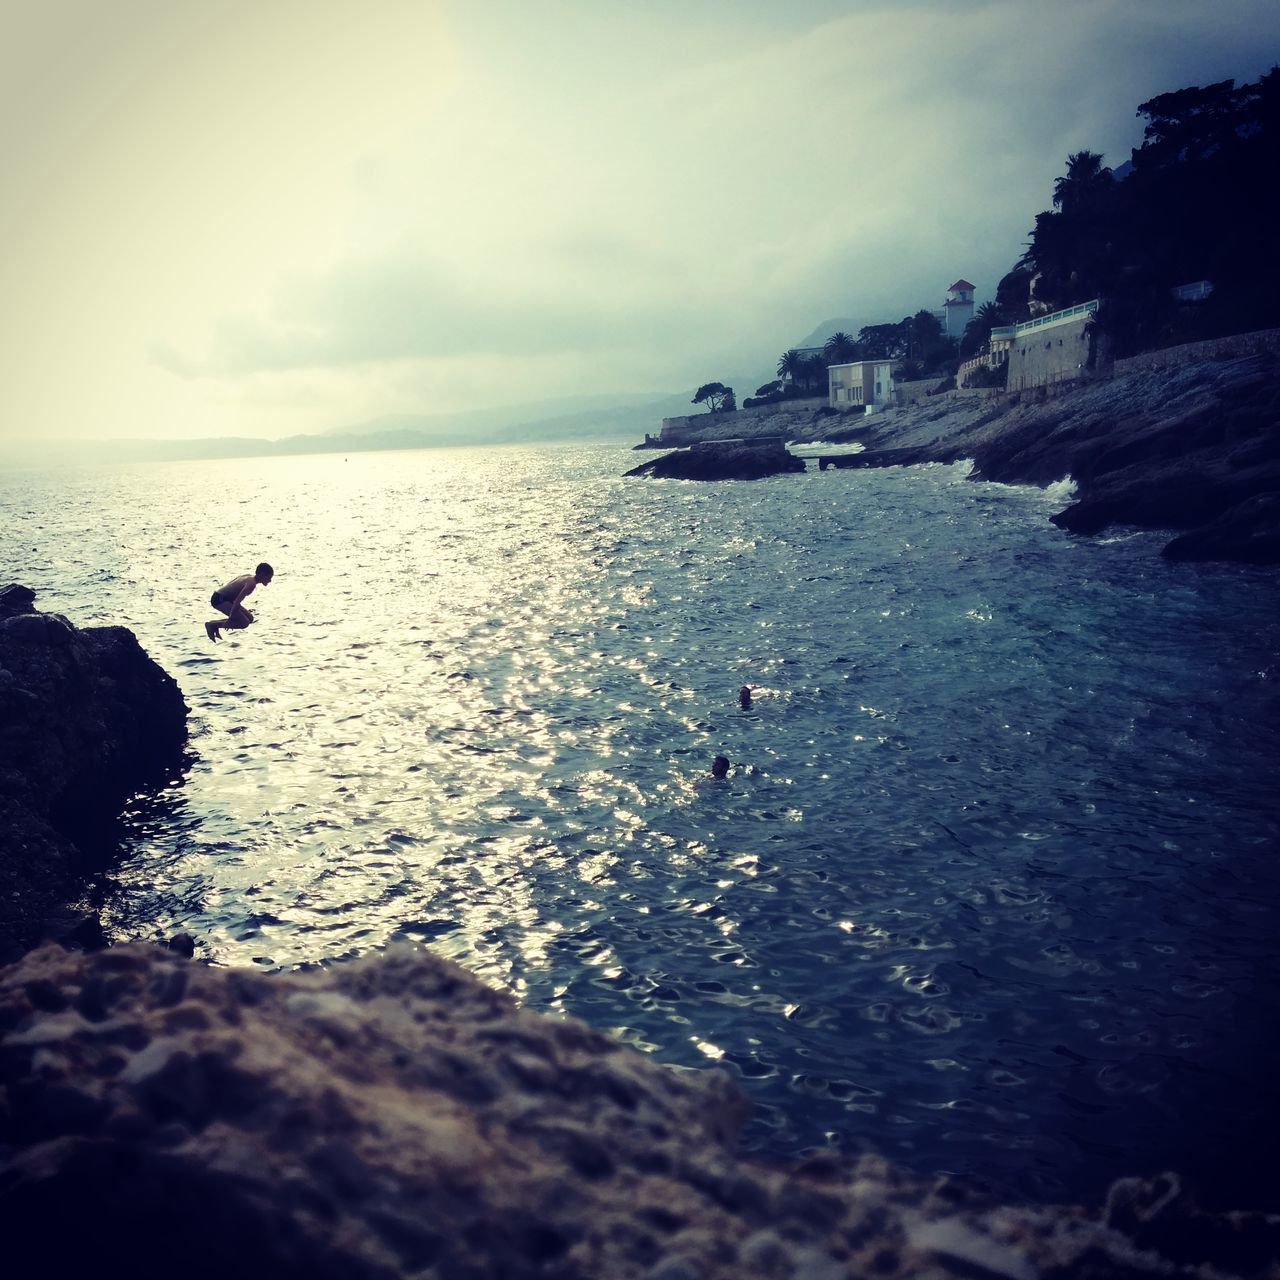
point(977, 333)
point(1079, 188)
point(791, 367)
point(840, 348)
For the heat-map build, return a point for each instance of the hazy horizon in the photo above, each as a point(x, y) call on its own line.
point(265, 221)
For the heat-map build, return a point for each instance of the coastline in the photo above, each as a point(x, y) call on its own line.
point(1192, 447)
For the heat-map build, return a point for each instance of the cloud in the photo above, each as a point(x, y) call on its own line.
point(263, 218)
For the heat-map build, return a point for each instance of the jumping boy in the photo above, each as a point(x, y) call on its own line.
point(230, 600)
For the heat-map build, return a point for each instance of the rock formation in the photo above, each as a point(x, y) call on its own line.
point(86, 718)
point(393, 1117)
point(733, 460)
point(1193, 448)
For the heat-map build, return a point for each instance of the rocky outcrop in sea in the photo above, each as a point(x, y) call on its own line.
point(86, 720)
point(733, 460)
point(393, 1117)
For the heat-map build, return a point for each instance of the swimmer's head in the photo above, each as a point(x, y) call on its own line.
point(720, 766)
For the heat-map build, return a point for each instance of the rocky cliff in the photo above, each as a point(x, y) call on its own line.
point(394, 1117)
point(86, 719)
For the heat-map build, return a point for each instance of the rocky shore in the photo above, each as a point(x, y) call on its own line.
point(393, 1116)
point(86, 720)
point(1192, 448)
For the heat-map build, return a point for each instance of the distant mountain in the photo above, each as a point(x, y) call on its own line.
point(539, 419)
point(820, 335)
point(599, 417)
point(625, 417)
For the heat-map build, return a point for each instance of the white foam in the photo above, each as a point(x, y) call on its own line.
point(826, 446)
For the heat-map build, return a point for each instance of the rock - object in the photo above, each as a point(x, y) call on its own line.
point(393, 1117)
point(1193, 448)
point(86, 719)
point(734, 460)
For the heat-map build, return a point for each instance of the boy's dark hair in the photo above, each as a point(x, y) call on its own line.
point(265, 570)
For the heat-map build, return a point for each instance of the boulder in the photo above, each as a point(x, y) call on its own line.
point(86, 720)
point(734, 461)
point(392, 1116)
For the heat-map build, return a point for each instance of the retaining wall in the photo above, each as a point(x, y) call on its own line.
point(1236, 344)
point(1056, 353)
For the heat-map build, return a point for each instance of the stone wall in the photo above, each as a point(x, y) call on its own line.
point(1236, 344)
point(1056, 353)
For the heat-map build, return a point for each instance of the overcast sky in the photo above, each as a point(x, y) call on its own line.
point(265, 217)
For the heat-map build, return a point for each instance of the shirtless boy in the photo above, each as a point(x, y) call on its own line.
point(230, 600)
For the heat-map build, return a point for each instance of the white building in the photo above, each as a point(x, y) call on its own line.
point(957, 311)
point(861, 386)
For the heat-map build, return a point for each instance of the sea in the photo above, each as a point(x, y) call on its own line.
point(991, 888)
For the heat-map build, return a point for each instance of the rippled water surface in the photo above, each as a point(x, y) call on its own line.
point(990, 887)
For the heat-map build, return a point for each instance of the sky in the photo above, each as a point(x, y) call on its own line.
point(270, 217)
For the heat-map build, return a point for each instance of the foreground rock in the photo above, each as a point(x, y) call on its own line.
point(86, 719)
point(394, 1117)
point(737, 461)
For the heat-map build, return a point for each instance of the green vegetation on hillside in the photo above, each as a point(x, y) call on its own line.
point(1195, 206)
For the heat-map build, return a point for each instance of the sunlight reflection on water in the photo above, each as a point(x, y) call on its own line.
point(988, 887)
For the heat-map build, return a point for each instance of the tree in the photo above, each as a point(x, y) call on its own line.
point(791, 366)
point(1074, 250)
point(1197, 205)
point(881, 342)
point(977, 333)
point(1083, 186)
point(813, 373)
point(770, 388)
point(840, 348)
point(716, 396)
point(1013, 293)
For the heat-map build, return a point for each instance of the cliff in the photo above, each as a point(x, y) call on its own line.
point(86, 719)
point(394, 1117)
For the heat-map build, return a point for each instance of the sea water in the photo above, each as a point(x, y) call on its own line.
point(990, 888)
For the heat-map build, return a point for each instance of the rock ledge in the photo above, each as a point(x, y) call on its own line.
point(394, 1117)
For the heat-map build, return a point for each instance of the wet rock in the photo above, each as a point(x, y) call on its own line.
point(15, 599)
point(86, 719)
point(1193, 448)
point(745, 461)
point(323, 1124)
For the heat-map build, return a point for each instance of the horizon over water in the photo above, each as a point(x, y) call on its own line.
point(990, 889)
